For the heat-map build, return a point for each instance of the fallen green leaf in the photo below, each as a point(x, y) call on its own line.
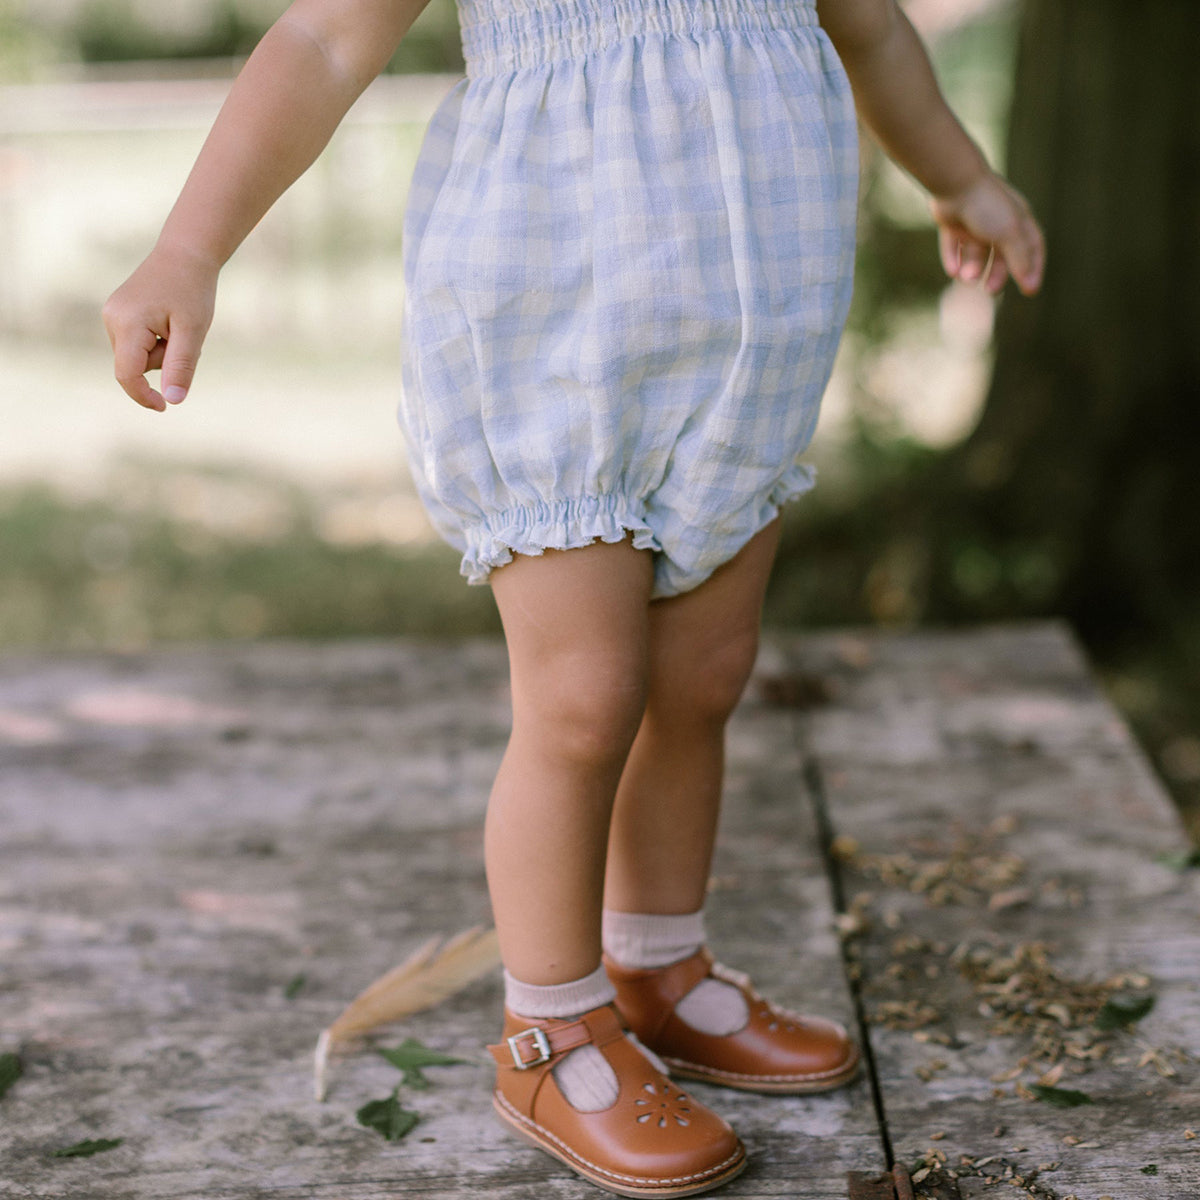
point(294, 985)
point(1119, 1012)
point(1152, 1169)
point(1181, 860)
point(1061, 1097)
point(415, 1079)
point(410, 1056)
point(89, 1146)
point(387, 1117)
point(410, 1053)
point(10, 1071)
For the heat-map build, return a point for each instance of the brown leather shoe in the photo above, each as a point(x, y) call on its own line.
point(655, 1140)
point(776, 1051)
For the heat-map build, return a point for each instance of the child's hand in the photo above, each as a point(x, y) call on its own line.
point(987, 232)
point(158, 318)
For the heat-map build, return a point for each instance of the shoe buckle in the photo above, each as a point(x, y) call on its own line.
point(540, 1041)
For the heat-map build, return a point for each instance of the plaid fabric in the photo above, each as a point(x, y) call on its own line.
point(628, 249)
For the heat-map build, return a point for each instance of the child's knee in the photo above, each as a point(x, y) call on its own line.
point(587, 705)
point(706, 686)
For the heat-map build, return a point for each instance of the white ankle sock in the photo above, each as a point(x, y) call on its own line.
point(587, 1082)
point(656, 940)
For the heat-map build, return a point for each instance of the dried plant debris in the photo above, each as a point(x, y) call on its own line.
point(431, 974)
point(1022, 993)
point(973, 870)
point(934, 1167)
point(1065, 1022)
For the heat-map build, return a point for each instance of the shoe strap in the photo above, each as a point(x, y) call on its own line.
point(648, 995)
point(599, 1027)
point(674, 982)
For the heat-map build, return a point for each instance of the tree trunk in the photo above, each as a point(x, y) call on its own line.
point(1085, 455)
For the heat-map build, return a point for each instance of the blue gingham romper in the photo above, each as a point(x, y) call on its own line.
point(628, 249)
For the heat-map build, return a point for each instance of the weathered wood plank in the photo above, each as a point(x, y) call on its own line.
point(998, 740)
point(186, 830)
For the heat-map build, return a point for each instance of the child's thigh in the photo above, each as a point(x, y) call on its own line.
point(581, 610)
point(716, 623)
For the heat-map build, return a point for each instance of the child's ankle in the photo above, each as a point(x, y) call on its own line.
point(587, 1082)
point(650, 940)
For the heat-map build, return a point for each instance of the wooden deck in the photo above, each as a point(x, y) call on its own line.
point(949, 838)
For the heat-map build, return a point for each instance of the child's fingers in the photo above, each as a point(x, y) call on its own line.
point(155, 360)
point(1030, 266)
point(997, 274)
point(974, 258)
point(948, 247)
point(179, 360)
point(1022, 250)
point(131, 359)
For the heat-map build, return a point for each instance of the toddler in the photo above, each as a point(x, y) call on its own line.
point(628, 250)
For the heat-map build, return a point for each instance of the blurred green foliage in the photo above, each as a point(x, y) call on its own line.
point(87, 574)
point(113, 31)
point(116, 31)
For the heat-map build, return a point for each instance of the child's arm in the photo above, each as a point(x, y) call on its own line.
point(304, 75)
point(899, 100)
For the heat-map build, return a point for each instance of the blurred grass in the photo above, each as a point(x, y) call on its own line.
point(97, 574)
point(107, 573)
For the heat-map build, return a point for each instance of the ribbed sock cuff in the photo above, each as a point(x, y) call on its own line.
point(558, 999)
point(651, 939)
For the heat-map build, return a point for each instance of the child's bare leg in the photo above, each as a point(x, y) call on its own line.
point(702, 649)
point(576, 624)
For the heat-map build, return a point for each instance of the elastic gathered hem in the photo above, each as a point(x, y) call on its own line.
point(500, 37)
point(568, 524)
point(798, 479)
point(561, 525)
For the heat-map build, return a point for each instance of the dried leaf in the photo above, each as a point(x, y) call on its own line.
point(844, 847)
point(426, 978)
point(1061, 1097)
point(1009, 898)
point(87, 1147)
point(10, 1071)
point(386, 1117)
point(1052, 1076)
point(1118, 1013)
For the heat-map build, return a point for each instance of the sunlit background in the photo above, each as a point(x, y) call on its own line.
point(276, 501)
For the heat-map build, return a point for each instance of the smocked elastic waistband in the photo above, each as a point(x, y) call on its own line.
point(506, 35)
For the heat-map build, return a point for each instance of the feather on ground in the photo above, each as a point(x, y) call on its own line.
point(431, 974)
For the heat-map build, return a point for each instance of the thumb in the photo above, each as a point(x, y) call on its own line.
point(179, 361)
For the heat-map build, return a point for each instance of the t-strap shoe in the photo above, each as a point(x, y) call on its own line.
point(654, 1140)
point(776, 1051)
